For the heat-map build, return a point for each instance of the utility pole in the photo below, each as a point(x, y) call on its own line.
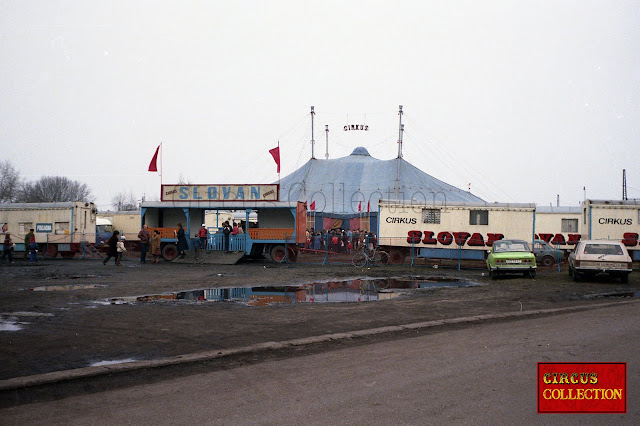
point(400, 130)
point(326, 130)
point(313, 142)
point(624, 185)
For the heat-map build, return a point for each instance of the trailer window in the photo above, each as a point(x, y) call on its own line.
point(431, 216)
point(478, 217)
point(23, 227)
point(569, 225)
point(62, 227)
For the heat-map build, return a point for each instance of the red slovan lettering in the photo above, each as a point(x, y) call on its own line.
point(476, 240)
point(461, 237)
point(573, 239)
point(630, 239)
point(445, 238)
point(558, 240)
point(414, 237)
point(428, 238)
point(546, 237)
point(493, 237)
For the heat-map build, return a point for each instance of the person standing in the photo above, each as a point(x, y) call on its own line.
point(7, 247)
point(155, 246)
point(120, 249)
point(27, 241)
point(202, 235)
point(182, 241)
point(197, 246)
point(33, 251)
point(144, 238)
point(112, 242)
point(226, 230)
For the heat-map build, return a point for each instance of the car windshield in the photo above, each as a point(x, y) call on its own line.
point(602, 249)
point(504, 246)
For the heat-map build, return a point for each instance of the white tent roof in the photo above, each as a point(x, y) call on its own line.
point(342, 185)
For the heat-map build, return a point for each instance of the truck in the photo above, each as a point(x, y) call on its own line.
point(64, 228)
point(274, 229)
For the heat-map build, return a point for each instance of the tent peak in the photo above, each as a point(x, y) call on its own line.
point(361, 150)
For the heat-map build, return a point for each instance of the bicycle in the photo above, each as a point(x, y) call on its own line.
point(371, 257)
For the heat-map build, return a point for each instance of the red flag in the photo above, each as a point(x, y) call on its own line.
point(360, 206)
point(313, 206)
point(367, 206)
point(153, 165)
point(275, 153)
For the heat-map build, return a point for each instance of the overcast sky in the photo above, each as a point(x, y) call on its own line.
point(521, 101)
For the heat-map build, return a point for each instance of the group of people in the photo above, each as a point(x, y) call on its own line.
point(30, 247)
point(148, 243)
point(339, 240)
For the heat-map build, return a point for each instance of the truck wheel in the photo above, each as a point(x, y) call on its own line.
point(169, 252)
point(52, 250)
point(67, 254)
point(292, 254)
point(277, 254)
point(397, 257)
point(547, 261)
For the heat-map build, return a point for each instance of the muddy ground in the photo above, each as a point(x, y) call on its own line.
point(65, 329)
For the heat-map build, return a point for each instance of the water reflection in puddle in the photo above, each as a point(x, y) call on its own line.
point(353, 290)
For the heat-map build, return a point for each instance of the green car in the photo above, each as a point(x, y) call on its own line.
point(511, 257)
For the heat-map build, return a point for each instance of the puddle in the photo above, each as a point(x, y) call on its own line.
point(11, 325)
point(354, 290)
point(612, 294)
point(115, 361)
point(67, 287)
point(26, 314)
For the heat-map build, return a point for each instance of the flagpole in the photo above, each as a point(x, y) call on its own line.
point(278, 165)
point(161, 158)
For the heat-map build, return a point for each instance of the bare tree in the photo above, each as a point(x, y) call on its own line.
point(10, 182)
point(125, 202)
point(49, 189)
point(182, 180)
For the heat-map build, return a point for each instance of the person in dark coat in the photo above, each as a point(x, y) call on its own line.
point(112, 242)
point(182, 241)
point(7, 247)
point(226, 230)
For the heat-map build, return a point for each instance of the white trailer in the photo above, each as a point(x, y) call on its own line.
point(466, 231)
point(613, 220)
point(461, 231)
point(559, 226)
point(58, 227)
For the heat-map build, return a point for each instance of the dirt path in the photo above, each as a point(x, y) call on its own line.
point(75, 325)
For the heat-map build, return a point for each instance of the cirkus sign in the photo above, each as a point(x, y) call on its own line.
point(356, 127)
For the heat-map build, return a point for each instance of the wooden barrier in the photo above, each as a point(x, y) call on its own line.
point(164, 232)
point(270, 233)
